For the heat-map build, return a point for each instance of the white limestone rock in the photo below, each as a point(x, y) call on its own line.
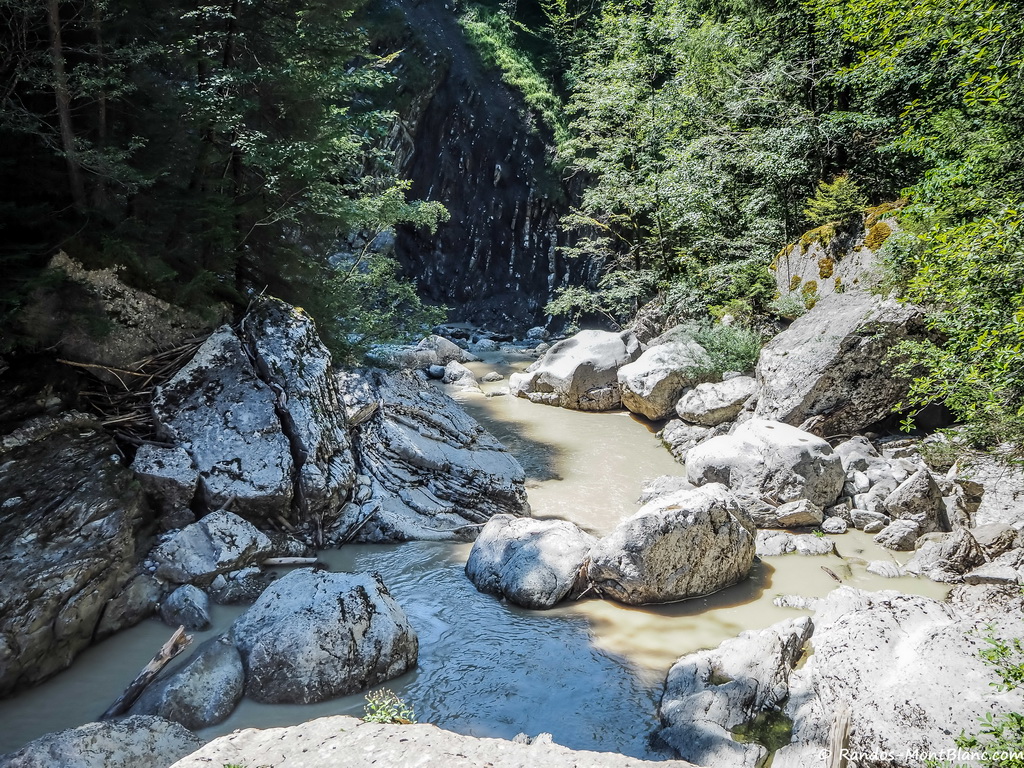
point(715, 403)
point(219, 543)
point(652, 384)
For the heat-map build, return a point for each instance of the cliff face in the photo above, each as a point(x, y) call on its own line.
point(465, 138)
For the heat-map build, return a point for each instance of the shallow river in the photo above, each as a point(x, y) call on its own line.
point(588, 672)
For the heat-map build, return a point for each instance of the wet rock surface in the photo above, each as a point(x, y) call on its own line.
point(72, 528)
point(429, 469)
point(219, 543)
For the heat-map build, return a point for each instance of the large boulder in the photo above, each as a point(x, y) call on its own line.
point(532, 563)
point(905, 669)
point(202, 692)
point(686, 544)
point(680, 437)
point(219, 543)
point(769, 460)
point(919, 500)
point(431, 472)
point(829, 369)
point(709, 695)
point(946, 557)
point(580, 372)
point(314, 635)
point(250, 409)
point(70, 515)
point(358, 744)
point(431, 350)
point(651, 384)
point(717, 402)
point(135, 742)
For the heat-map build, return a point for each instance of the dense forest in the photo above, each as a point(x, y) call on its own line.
point(212, 150)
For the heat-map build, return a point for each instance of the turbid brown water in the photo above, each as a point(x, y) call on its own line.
point(587, 672)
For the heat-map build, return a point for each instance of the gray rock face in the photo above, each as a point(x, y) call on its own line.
point(834, 525)
point(314, 635)
point(580, 372)
point(663, 486)
point(715, 403)
point(795, 514)
point(291, 358)
point(919, 500)
point(899, 535)
point(219, 543)
point(907, 670)
point(68, 521)
point(201, 693)
point(430, 468)
point(187, 606)
point(769, 459)
point(1007, 569)
point(946, 557)
point(829, 364)
point(651, 384)
point(432, 350)
point(170, 481)
point(135, 742)
point(775, 543)
point(1003, 497)
point(710, 693)
point(682, 545)
point(371, 745)
point(533, 563)
point(459, 376)
point(680, 437)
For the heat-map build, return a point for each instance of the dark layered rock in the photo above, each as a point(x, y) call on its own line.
point(71, 523)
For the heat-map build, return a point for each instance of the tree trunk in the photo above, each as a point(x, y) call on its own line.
point(63, 96)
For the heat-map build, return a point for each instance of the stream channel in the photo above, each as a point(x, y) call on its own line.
point(590, 672)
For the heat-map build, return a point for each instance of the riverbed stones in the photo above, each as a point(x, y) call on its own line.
point(651, 384)
point(200, 693)
point(134, 742)
point(829, 366)
point(187, 606)
point(73, 529)
point(946, 557)
point(680, 437)
point(371, 745)
point(710, 694)
point(431, 350)
point(714, 403)
point(771, 460)
point(219, 543)
point(776, 543)
point(314, 635)
point(899, 535)
point(532, 563)
point(431, 471)
point(580, 372)
point(686, 544)
point(794, 514)
point(834, 525)
point(905, 668)
point(170, 480)
point(459, 376)
point(919, 500)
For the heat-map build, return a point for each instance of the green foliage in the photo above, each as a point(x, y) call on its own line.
point(789, 306)
point(617, 298)
point(384, 706)
point(837, 201)
point(730, 347)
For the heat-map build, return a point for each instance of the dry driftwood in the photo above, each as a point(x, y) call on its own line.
point(274, 561)
point(175, 645)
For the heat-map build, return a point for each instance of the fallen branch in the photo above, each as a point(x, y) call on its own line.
point(177, 643)
point(270, 562)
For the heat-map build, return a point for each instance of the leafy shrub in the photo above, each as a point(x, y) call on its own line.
point(730, 347)
point(384, 706)
point(789, 307)
point(838, 201)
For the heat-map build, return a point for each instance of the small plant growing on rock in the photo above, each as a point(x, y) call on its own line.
point(384, 706)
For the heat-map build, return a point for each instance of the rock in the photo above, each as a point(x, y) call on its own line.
point(372, 745)
point(538, 332)
point(874, 526)
point(679, 437)
point(775, 543)
point(579, 372)
point(872, 503)
point(711, 694)
point(663, 486)
point(862, 519)
point(436, 372)
point(219, 543)
point(138, 600)
point(431, 469)
point(73, 529)
point(834, 525)
point(651, 384)
point(946, 557)
point(907, 670)
point(314, 635)
point(493, 376)
point(683, 545)
point(200, 693)
point(532, 563)
point(918, 499)
point(485, 345)
point(858, 454)
point(186, 606)
point(996, 538)
point(432, 350)
point(899, 535)
point(135, 742)
point(1002, 491)
point(769, 459)
point(459, 376)
point(1008, 569)
point(715, 403)
point(886, 569)
point(829, 365)
point(795, 514)
point(170, 481)
point(242, 586)
point(290, 357)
